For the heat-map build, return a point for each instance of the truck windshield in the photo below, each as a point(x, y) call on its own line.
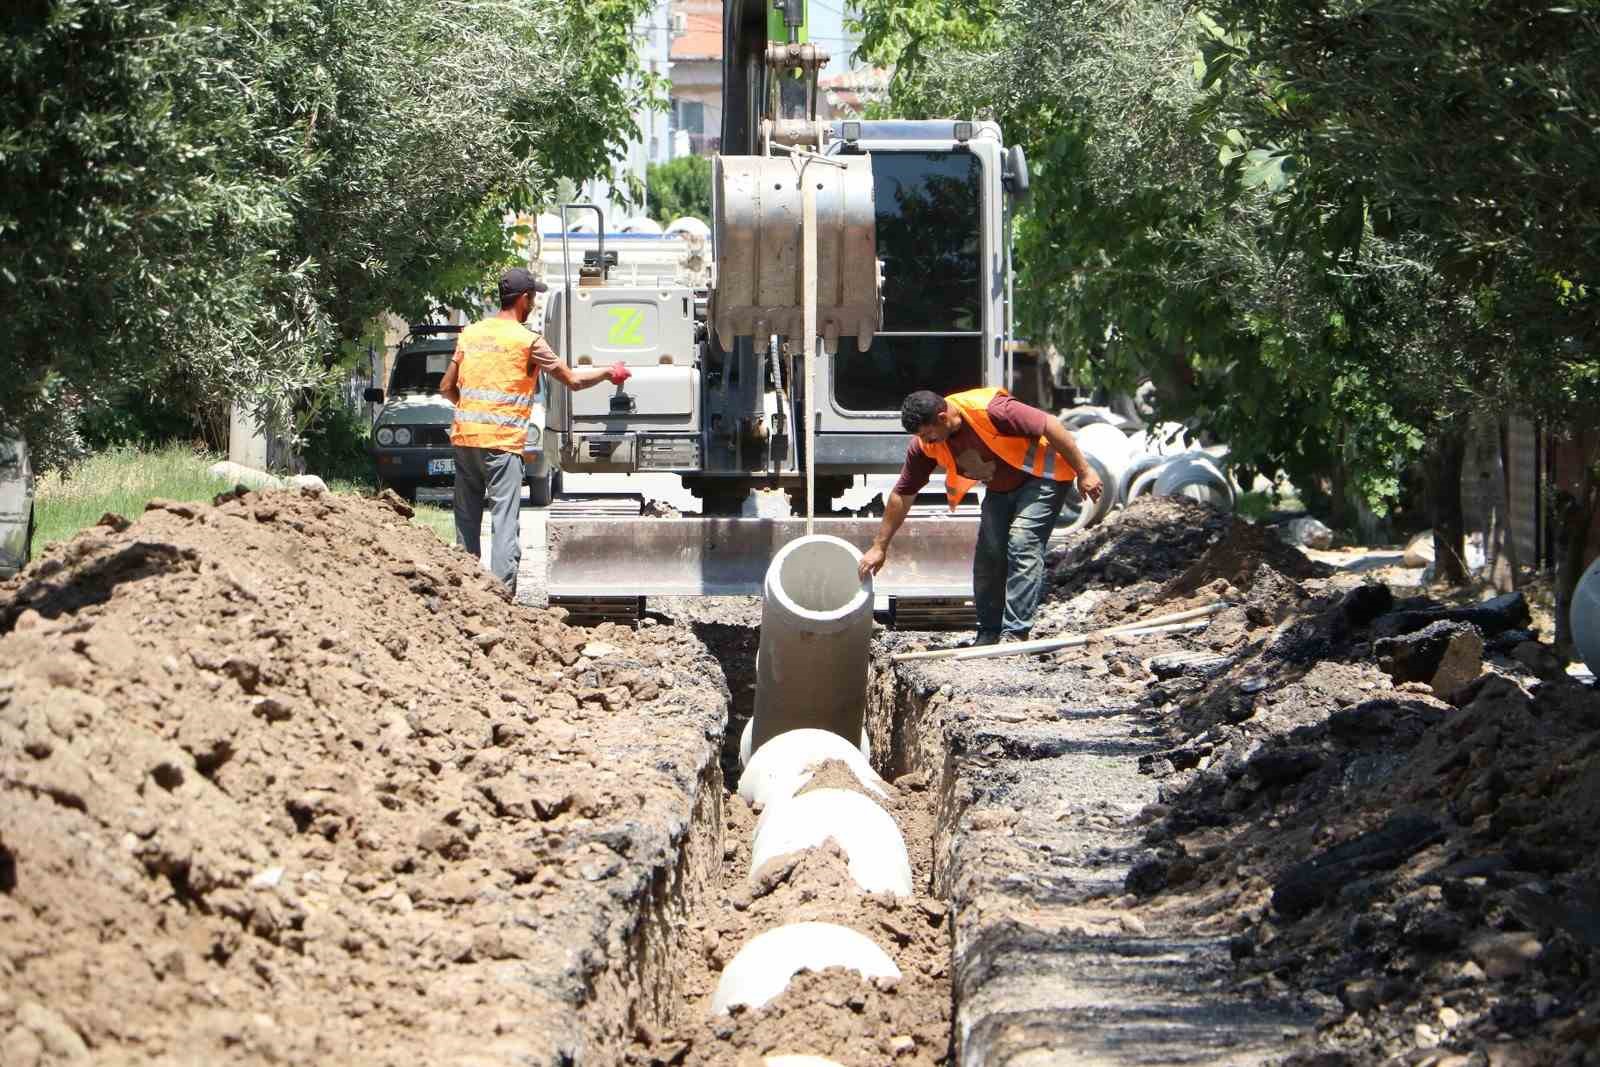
point(929, 211)
point(419, 371)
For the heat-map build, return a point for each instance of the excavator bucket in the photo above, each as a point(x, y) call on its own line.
point(597, 565)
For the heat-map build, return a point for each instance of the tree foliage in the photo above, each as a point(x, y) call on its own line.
point(225, 195)
point(1244, 201)
point(680, 187)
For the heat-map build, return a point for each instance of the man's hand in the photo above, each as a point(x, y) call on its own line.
point(1089, 485)
point(619, 373)
point(872, 561)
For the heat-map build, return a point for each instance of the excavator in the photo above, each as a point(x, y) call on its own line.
point(851, 262)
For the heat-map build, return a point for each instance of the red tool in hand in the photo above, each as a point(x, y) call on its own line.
point(619, 373)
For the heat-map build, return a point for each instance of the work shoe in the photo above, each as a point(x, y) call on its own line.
point(978, 640)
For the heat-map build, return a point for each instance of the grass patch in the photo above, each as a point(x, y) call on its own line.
point(440, 520)
point(120, 481)
point(123, 480)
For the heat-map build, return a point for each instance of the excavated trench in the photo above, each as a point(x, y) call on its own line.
point(713, 905)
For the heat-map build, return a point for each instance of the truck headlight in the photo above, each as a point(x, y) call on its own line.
point(386, 436)
point(402, 436)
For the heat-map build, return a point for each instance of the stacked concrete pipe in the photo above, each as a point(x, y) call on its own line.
point(1109, 452)
point(1198, 476)
point(810, 694)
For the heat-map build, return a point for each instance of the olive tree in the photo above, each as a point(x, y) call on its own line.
point(225, 195)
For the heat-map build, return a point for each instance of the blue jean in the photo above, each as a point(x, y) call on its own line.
point(1008, 566)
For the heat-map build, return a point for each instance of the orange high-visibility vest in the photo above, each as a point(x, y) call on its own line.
point(496, 403)
point(1031, 455)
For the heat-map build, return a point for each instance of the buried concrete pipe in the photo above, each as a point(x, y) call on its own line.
point(1585, 617)
point(872, 843)
point(781, 768)
point(816, 623)
point(762, 968)
point(749, 728)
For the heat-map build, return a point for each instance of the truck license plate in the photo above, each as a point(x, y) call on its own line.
point(441, 466)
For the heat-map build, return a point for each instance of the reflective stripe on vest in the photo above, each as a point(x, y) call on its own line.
point(1035, 455)
point(496, 402)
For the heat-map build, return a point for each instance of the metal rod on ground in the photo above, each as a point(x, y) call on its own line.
point(1201, 612)
point(1051, 643)
point(1056, 644)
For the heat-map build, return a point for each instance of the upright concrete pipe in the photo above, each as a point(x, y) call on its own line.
point(816, 623)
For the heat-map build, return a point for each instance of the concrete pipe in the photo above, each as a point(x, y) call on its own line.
point(1109, 452)
point(762, 968)
point(872, 843)
point(1135, 475)
point(780, 768)
point(1144, 483)
point(1585, 617)
point(749, 725)
point(1197, 476)
point(816, 622)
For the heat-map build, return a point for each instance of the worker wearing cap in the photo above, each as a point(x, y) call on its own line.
point(1026, 460)
point(491, 381)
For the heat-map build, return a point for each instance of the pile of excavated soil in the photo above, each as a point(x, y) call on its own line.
point(287, 779)
point(1153, 539)
point(834, 1013)
point(1421, 871)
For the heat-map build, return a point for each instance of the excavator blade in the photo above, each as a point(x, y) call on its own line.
point(613, 558)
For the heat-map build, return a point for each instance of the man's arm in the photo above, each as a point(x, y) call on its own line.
point(542, 357)
point(895, 510)
point(1066, 446)
point(448, 385)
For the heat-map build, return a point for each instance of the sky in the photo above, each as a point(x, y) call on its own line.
point(827, 30)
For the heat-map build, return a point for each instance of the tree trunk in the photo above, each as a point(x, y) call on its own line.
point(1505, 575)
point(1444, 504)
point(1573, 519)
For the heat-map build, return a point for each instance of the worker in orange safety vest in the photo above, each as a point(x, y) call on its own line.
point(1027, 462)
point(491, 381)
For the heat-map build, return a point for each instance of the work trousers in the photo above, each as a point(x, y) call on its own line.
point(486, 473)
point(1008, 566)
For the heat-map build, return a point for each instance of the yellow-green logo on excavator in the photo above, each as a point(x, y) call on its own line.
point(627, 326)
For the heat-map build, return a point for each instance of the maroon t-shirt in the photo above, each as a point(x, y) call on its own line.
point(974, 459)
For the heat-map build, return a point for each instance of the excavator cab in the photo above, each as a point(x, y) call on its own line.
point(851, 262)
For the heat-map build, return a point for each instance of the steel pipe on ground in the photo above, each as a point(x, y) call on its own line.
point(816, 622)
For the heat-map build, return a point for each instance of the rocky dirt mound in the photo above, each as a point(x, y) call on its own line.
point(286, 779)
point(1244, 550)
point(1153, 539)
point(1422, 869)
